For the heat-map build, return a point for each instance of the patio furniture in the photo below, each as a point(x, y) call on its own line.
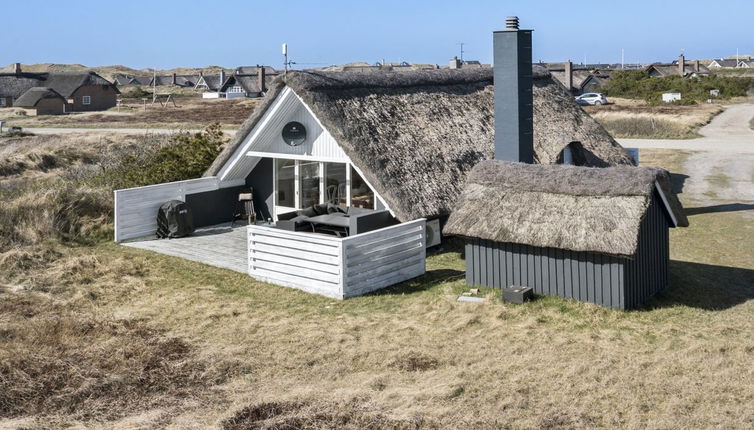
point(335, 223)
point(245, 207)
point(358, 220)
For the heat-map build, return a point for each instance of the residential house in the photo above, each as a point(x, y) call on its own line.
point(42, 101)
point(724, 64)
point(678, 68)
point(83, 91)
point(247, 81)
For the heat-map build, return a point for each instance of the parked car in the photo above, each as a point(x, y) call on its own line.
point(592, 99)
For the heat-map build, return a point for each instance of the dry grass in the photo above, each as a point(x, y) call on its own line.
point(116, 337)
point(637, 120)
point(191, 112)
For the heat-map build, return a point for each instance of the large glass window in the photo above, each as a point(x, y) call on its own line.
point(286, 184)
point(309, 174)
point(336, 189)
point(361, 195)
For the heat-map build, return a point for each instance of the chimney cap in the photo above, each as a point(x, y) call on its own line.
point(511, 23)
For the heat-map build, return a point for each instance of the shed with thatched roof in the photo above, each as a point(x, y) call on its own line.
point(595, 235)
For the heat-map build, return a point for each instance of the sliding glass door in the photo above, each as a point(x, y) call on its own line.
point(309, 183)
point(303, 183)
point(285, 186)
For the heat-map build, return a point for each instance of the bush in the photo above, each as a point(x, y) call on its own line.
point(136, 93)
point(637, 84)
point(183, 156)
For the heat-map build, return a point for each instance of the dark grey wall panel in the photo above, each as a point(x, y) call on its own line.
point(260, 179)
point(607, 280)
point(213, 207)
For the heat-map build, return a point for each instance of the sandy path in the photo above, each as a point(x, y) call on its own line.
point(728, 132)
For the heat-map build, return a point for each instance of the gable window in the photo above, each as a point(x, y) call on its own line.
point(86, 100)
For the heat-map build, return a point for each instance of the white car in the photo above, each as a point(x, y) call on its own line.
point(593, 99)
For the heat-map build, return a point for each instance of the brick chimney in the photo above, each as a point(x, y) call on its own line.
point(697, 66)
point(173, 79)
point(568, 69)
point(261, 74)
point(17, 68)
point(682, 65)
point(514, 130)
point(455, 63)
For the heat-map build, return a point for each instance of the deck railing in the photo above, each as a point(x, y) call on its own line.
point(338, 267)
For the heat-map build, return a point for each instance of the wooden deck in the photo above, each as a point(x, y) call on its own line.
point(218, 245)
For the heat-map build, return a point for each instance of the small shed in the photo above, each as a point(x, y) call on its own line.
point(43, 100)
point(597, 235)
point(670, 97)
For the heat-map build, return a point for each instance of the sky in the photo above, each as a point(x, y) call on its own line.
point(186, 33)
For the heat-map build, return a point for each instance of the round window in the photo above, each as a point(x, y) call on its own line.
point(294, 133)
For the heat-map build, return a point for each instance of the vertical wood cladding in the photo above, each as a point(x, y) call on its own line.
point(607, 280)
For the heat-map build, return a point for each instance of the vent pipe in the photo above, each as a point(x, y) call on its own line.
point(514, 130)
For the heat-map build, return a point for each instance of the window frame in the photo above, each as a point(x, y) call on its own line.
point(86, 100)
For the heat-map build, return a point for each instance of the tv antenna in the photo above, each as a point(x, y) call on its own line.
point(461, 43)
point(286, 63)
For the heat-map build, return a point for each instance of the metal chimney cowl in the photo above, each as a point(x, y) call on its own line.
point(514, 129)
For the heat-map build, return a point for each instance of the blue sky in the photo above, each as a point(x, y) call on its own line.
point(172, 33)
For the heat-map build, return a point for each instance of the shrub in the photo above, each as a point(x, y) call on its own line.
point(637, 84)
point(183, 156)
point(136, 93)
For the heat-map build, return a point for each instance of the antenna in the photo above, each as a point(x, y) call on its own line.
point(286, 63)
point(622, 58)
point(461, 43)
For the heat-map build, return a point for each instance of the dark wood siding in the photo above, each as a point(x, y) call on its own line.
point(103, 97)
point(607, 280)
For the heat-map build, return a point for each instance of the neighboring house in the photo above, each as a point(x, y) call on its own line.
point(723, 64)
point(456, 63)
point(594, 83)
point(83, 91)
point(175, 80)
point(594, 235)
point(128, 80)
point(211, 82)
point(678, 68)
point(248, 81)
point(42, 101)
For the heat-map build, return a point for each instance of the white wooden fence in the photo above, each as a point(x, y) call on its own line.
point(338, 267)
point(136, 208)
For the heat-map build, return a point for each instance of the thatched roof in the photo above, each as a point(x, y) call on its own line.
point(68, 82)
point(13, 85)
point(34, 95)
point(415, 135)
point(566, 207)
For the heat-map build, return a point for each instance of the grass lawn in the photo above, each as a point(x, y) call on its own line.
point(155, 341)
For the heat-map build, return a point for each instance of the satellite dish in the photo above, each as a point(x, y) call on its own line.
point(294, 133)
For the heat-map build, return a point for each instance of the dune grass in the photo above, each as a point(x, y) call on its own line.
point(654, 122)
point(97, 334)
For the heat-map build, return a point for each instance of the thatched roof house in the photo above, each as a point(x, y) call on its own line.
point(88, 90)
point(565, 207)
point(45, 101)
point(595, 235)
point(415, 135)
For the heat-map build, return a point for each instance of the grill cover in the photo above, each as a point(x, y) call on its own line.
point(174, 219)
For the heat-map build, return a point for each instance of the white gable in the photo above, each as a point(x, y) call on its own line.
point(265, 138)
